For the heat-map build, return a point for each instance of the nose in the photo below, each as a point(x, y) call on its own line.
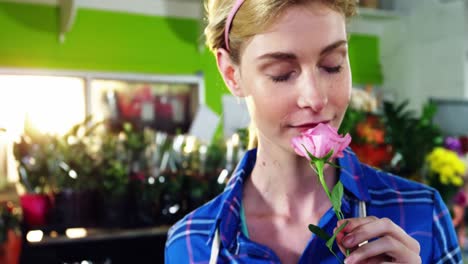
point(312, 94)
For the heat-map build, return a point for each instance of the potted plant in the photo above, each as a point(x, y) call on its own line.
point(113, 171)
point(34, 156)
point(411, 137)
point(75, 177)
point(444, 170)
point(146, 182)
point(10, 237)
point(364, 122)
point(369, 141)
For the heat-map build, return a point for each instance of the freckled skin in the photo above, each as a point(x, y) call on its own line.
point(311, 93)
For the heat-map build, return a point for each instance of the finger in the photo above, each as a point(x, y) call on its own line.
point(339, 236)
point(352, 224)
point(366, 230)
point(384, 249)
point(339, 242)
point(381, 259)
point(355, 222)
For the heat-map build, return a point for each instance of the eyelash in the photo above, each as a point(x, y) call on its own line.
point(285, 77)
point(281, 78)
point(333, 70)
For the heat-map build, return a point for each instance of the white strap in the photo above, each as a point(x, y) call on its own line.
point(362, 213)
point(215, 247)
point(362, 209)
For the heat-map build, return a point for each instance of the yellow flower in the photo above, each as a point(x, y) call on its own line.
point(446, 171)
point(444, 179)
point(447, 165)
point(457, 181)
point(460, 167)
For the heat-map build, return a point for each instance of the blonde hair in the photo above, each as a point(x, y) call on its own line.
point(254, 17)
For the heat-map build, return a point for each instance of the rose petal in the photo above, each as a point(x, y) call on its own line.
point(320, 140)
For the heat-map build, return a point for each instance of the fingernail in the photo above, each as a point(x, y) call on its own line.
point(348, 240)
point(348, 260)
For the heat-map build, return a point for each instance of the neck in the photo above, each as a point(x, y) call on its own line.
point(281, 180)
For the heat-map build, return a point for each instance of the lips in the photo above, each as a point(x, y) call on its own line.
point(306, 126)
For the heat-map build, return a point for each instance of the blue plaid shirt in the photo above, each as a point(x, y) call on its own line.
point(418, 209)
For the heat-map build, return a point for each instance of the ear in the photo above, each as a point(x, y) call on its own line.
point(229, 71)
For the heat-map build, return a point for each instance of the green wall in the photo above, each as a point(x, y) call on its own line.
point(120, 42)
point(98, 40)
point(364, 56)
point(105, 41)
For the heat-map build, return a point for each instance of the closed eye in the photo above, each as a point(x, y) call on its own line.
point(333, 70)
point(281, 78)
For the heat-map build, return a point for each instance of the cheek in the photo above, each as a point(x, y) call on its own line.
point(341, 91)
point(268, 108)
point(267, 104)
point(339, 101)
point(345, 97)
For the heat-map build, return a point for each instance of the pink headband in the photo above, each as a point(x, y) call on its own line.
point(229, 19)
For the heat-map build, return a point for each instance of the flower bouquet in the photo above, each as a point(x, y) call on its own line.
point(445, 171)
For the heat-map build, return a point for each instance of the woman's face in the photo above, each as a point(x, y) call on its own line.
point(296, 74)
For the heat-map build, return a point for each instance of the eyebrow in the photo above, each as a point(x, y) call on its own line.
point(292, 56)
point(333, 46)
point(278, 56)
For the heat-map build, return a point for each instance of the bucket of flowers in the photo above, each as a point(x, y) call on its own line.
point(445, 171)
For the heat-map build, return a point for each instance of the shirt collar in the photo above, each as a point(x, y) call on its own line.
point(352, 175)
point(228, 217)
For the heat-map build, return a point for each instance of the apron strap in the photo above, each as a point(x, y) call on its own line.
point(362, 209)
point(215, 247)
point(362, 213)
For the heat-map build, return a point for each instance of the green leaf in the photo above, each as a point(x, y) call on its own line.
point(312, 157)
point(327, 157)
point(319, 232)
point(336, 196)
point(92, 128)
point(333, 165)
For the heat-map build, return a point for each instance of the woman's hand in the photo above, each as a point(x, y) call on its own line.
point(374, 240)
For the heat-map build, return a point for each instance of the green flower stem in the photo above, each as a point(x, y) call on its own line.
point(319, 164)
point(335, 198)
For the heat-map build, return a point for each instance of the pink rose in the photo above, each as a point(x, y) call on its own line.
point(319, 141)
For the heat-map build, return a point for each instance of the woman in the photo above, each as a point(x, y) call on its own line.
point(289, 60)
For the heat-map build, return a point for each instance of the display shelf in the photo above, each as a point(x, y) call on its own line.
point(379, 14)
point(98, 234)
point(100, 246)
